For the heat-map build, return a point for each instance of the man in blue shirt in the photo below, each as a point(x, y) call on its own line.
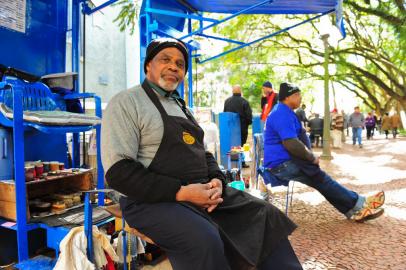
point(287, 156)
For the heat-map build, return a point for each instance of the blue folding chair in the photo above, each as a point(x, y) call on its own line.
point(265, 173)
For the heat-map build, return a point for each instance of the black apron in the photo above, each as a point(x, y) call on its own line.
point(250, 228)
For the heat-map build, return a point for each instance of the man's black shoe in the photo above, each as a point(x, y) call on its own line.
point(244, 165)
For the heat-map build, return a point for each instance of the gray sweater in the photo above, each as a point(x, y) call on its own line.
point(132, 127)
point(356, 120)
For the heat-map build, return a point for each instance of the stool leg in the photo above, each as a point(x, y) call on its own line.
point(124, 244)
point(291, 193)
point(88, 227)
point(287, 201)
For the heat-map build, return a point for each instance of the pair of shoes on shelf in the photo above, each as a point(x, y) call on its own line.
point(371, 209)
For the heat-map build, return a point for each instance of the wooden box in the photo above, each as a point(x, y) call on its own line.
point(80, 182)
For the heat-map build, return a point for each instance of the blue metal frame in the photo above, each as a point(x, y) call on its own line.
point(265, 37)
point(124, 243)
point(76, 68)
point(88, 11)
point(88, 227)
point(260, 170)
point(19, 175)
point(180, 15)
point(19, 127)
point(222, 39)
point(200, 30)
point(100, 171)
point(151, 28)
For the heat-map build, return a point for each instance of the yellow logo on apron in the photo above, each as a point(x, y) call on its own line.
point(188, 138)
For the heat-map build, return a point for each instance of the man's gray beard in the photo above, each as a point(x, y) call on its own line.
point(163, 84)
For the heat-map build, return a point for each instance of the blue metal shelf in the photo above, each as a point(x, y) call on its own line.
point(54, 235)
point(60, 129)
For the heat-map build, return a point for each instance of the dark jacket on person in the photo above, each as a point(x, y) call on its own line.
point(316, 125)
point(237, 104)
point(301, 114)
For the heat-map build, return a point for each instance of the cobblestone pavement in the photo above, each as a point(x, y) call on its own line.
point(325, 239)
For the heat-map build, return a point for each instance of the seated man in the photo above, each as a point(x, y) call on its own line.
point(287, 156)
point(316, 129)
point(172, 190)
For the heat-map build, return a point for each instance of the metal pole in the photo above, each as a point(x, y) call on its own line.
point(76, 68)
point(326, 155)
point(89, 227)
point(20, 186)
point(200, 30)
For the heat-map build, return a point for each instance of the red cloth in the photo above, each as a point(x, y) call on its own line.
point(267, 108)
point(110, 263)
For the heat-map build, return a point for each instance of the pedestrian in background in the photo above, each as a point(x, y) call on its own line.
point(376, 123)
point(386, 124)
point(357, 123)
point(301, 114)
point(395, 122)
point(379, 124)
point(268, 100)
point(316, 130)
point(370, 125)
point(337, 127)
point(237, 104)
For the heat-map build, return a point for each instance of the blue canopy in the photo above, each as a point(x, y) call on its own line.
point(273, 7)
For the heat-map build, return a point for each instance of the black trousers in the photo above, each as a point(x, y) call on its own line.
point(370, 132)
point(313, 137)
point(244, 134)
point(191, 241)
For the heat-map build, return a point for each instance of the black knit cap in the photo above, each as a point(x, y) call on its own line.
point(287, 89)
point(267, 84)
point(159, 44)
